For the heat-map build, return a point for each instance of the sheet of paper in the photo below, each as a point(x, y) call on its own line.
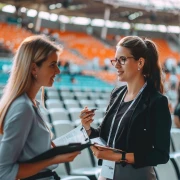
point(99, 141)
point(77, 135)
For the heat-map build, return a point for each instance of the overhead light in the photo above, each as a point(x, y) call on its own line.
point(44, 15)
point(52, 6)
point(125, 25)
point(53, 17)
point(80, 20)
point(135, 15)
point(58, 5)
point(76, 7)
point(30, 25)
point(9, 9)
point(23, 9)
point(64, 19)
point(97, 22)
point(31, 13)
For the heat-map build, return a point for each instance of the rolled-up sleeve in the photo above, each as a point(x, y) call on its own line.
point(17, 125)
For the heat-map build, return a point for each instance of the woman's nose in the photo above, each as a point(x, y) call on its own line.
point(117, 65)
point(58, 71)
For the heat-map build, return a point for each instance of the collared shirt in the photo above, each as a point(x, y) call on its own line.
point(25, 136)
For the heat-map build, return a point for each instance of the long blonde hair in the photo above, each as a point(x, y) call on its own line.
point(34, 49)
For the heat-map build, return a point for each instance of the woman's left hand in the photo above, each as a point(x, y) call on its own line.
point(106, 154)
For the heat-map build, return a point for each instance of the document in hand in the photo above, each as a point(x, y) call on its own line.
point(77, 135)
point(100, 143)
point(75, 140)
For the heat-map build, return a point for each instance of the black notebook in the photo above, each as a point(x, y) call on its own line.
point(72, 147)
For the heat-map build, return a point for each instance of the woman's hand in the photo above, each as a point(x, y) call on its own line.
point(102, 153)
point(86, 117)
point(29, 169)
point(65, 157)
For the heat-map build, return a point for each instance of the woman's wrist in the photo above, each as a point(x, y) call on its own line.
point(87, 129)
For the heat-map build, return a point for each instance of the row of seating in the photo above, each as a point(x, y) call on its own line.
point(77, 95)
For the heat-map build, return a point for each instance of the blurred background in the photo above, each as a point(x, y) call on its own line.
point(88, 31)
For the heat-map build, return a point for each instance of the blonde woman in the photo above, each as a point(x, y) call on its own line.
point(25, 134)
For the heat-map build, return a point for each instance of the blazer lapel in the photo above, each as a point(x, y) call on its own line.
point(117, 99)
point(141, 106)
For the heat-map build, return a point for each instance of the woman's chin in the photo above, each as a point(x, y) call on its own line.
point(120, 78)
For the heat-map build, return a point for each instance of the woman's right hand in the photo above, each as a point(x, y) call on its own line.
point(65, 157)
point(86, 117)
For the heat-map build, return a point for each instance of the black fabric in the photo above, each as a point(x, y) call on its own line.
point(64, 149)
point(177, 110)
point(44, 175)
point(121, 143)
point(148, 131)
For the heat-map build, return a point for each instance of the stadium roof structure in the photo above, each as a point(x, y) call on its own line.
point(166, 12)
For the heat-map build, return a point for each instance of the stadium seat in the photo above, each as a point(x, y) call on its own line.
point(101, 103)
point(85, 167)
point(62, 127)
point(175, 157)
point(58, 114)
point(71, 103)
point(89, 103)
point(75, 113)
point(67, 95)
point(105, 96)
point(166, 171)
point(62, 172)
point(54, 103)
point(175, 135)
point(81, 95)
point(76, 178)
point(52, 94)
point(94, 95)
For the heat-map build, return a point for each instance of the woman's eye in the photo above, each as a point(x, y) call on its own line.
point(123, 58)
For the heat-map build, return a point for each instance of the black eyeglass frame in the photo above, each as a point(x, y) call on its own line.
point(120, 60)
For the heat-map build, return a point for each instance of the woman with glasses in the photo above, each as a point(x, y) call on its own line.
point(137, 121)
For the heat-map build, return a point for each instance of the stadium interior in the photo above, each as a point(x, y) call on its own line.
point(88, 32)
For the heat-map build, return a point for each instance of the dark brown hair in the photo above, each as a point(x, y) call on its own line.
point(147, 49)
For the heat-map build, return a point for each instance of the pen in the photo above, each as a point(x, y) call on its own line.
point(89, 110)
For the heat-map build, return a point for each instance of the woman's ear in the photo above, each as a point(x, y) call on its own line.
point(141, 63)
point(34, 70)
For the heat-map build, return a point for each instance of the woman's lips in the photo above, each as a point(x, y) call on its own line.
point(120, 72)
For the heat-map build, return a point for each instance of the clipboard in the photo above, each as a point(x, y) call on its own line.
point(109, 148)
point(99, 142)
point(72, 147)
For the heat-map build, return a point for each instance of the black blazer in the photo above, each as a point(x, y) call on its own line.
point(148, 134)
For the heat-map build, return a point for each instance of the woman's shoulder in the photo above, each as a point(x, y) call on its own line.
point(116, 90)
point(157, 97)
point(19, 110)
point(21, 102)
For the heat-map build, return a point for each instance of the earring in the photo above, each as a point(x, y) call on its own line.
point(35, 76)
point(138, 69)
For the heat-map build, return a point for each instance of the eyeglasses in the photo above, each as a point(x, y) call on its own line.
point(121, 60)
